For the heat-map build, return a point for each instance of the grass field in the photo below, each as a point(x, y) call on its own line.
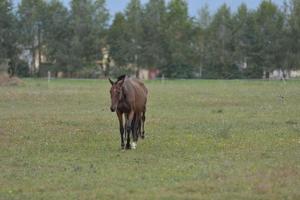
point(204, 140)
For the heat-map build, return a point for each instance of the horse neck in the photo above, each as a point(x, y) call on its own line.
point(128, 92)
point(124, 105)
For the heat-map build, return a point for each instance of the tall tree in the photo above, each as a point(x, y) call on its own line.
point(154, 43)
point(179, 36)
point(8, 36)
point(57, 35)
point(89, 20)
point(204, 17)
point(269, 30)
point(118, 40)
point(201, 26)
point(221, 45)
point(244, 40)
point(31, 21)
point(292, 35)
point(134, 15)
point(240, 34)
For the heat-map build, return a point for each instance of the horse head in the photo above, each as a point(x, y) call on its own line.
point(116, 92)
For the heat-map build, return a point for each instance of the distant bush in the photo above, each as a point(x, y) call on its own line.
point(117, 71)
point(253, 72)
point(22, 69)
point(179, 71)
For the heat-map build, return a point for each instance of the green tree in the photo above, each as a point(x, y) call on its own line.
point(244, 38)
point(134, 28)
point(118, 40)
point(89, 21)
point(57, 35)
point(31, 23)
point(179, 37)
point(269, 31)
point(8, 35)
point(221, 46)
point(292, 35)
point(154, 43)
point(241, 34)
point(201, 47)
point(204, 17)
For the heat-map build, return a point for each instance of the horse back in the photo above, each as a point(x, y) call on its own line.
point(136, 94)
point(141, 84)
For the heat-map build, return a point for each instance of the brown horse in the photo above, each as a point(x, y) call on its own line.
point(129, 98)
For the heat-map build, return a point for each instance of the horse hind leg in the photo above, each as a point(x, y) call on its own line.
point(143, 125)
point(135, 130)
point(138, 126)
point(139, 129)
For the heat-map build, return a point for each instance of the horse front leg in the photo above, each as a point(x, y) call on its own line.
point(121, 125)
point(128, 129)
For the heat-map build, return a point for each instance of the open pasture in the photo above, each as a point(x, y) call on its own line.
point(204, 140)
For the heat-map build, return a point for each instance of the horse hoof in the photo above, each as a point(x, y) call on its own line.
point(143, 135)
point(128, 147)
point(134, 145)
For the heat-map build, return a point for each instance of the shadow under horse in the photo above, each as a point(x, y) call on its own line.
point(128, 100)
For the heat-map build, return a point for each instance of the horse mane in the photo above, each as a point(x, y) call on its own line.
point(121, 77)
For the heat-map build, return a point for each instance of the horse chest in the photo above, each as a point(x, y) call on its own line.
point(124, 107)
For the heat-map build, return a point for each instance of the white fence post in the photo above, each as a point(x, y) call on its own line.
point(49, 77)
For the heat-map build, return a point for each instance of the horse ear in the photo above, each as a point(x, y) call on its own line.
point(111, 82)
point(121, 79)
point(120, 82)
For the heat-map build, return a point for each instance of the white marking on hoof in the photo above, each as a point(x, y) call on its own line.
point(133, 145)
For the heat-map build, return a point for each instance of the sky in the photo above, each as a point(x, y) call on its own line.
point(194, 5)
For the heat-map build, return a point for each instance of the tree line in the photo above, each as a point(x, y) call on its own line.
point(159, 34)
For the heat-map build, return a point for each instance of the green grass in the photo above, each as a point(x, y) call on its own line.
point(204, 140)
